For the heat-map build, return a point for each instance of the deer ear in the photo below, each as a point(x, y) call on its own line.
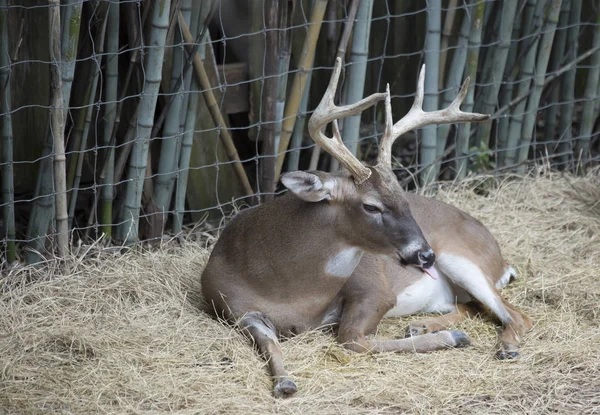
point(311, 187)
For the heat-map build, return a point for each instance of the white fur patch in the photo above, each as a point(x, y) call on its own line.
point(509, 273)
point(425, 296)
point(469, 276)
point(343, 263)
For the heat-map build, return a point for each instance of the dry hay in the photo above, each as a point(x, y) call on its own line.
point(122, 334)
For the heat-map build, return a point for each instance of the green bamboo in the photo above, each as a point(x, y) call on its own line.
point(506, 91)
point(197, 25)
point(355, 82)
point(533, 10)
point(145, 119)
point(6, 140)
point(430, 102)
point(269, 98)
point(58, 132)
point(169, 157)
point(588, 117)
point(538, 85)
point(446, 33)
point(556, 59)
point(597, 106)
point(187, 10)
point(108, 121)
point(464, 129)
point(299, 127)
point(283, 60)
point(567, 87)
point(42, 212)
point(491, 32)
point(499, 56)
point(69, 43)
point(453, 82)
point(256, 56)
point(296, 89)
point(78, 156)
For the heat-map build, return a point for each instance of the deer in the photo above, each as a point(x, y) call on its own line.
point(281, 268)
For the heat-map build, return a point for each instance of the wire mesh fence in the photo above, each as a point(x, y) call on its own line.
point(175, 111)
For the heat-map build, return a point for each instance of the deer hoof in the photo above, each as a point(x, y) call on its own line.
point(460, 338)
point(284, 388)
point(507, 355)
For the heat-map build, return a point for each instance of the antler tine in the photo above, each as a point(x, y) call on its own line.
point(417, 118)
point(385, 145)
point(328, 112)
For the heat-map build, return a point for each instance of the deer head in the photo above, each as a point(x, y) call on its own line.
point(372, 210)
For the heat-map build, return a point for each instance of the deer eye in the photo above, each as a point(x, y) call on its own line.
point(370, 208)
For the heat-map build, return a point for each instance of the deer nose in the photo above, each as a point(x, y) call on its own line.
point(426, 258)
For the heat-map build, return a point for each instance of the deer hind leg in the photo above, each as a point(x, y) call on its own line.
point(470, 277)
point(263, 332)
point(442, 322)
point(361, 318)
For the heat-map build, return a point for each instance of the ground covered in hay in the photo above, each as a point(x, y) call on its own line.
point(122, 333)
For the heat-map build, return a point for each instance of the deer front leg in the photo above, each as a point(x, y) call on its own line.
point(442, 322)
point(361, 318)
point(263, 332)
point(470, 277)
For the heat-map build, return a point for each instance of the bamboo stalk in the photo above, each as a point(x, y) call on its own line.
point(491, 33)
point(567, 87)
point(538, 85)
point(110, 108)
point(453, 83)
point(187, 10)
point(169, 156)
point(446, 33)
point(283, 59)
point(547, 80)
point(135, 42)
point(589, 115)
point(199, 22)
point(428, 149)
point(269, 96)
point(299, 81)
point(533, 10)
point(215, 112)
point(256, 53)
point(42, 212)
point(506, 91)
point(298, 135)
point(184, 162)
point(464, 130)
point(556, 59)
point(69, 43)
point(145, 119)
point(78, 156)
point(6, 140)
point(58, 133)
point(357, 70)
point(499, 56)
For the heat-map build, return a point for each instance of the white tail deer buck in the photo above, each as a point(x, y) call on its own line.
point(280, 268)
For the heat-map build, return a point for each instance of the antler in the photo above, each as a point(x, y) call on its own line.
point(328, 112)
point(417, 118)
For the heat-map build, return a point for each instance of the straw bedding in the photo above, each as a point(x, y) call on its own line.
point(122, 333)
